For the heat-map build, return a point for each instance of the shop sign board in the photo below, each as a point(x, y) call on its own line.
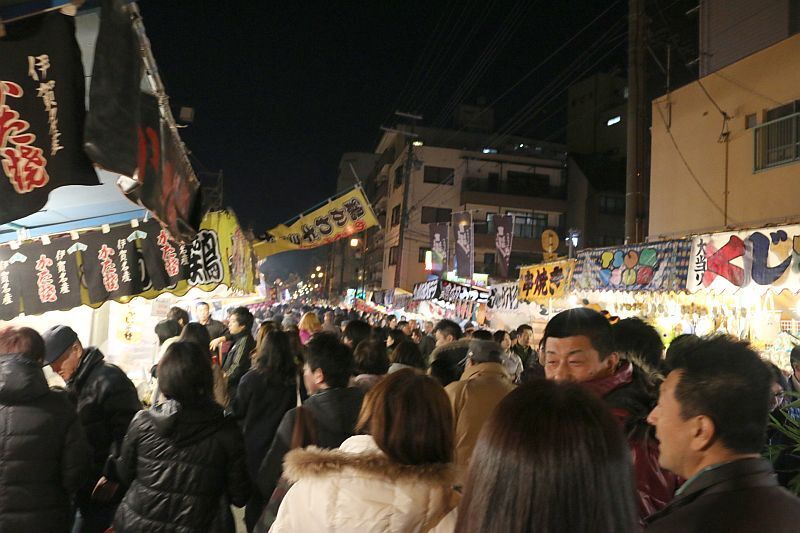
point(756, 259)
point(504, 297)
point(448, 291)
point(548, 280)
point(657, 266)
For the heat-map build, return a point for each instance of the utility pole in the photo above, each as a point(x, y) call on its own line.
point(636, 164)
point(406, 187)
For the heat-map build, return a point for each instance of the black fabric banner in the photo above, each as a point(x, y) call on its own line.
point(503, 239)
point(49, 280)
point(167, 261)
point(111, 264)
point(465, 252)
point(42, 112)
point(113, 118)
point(440, 246)
point(10, 297)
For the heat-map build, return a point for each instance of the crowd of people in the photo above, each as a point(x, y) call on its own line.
point(326, 420)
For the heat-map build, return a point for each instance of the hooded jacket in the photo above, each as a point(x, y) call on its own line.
point(44, 456)
point(179, 464)
point(630, 395)
point(448, 360)
point(473, 398)
point(358, 488)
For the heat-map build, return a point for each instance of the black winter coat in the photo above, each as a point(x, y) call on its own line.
point(107, 401)
point(44, 456)
point(182, 465)
point(334, 413)
point(237, 361)
point(738, 497)
point(259, 405)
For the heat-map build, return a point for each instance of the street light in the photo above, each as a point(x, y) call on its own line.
point(573, 236)
point(354, 242)
point(319, 268)
point(320, 274)
point(313, 276)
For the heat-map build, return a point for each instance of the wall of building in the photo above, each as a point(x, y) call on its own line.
point(685, 200)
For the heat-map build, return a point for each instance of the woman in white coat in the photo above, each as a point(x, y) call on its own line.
point(397, 478)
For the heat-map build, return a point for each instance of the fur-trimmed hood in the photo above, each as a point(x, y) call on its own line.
point(361, 455)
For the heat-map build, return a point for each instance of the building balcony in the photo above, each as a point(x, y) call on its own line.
point(504, 193)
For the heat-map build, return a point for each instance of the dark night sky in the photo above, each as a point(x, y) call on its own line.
point(282, 89)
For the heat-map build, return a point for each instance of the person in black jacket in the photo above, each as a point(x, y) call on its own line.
point(237, 361)
point(264, 395)
point(106, 402)
point(44, 454)
point(332, 406)
point(183, 461)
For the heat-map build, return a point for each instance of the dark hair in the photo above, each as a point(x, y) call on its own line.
point(401, 324)
point(794, 358)
point(448, 327)
point(570, 463)
point(410, 418)
point(198, 334)
point(581, 321)
point(678, 345)
point(482, 334)
point(184, 374)
point(335, 359)
point(523, 327)
point(198, 304)
point(499, 336)
point(22, 341)
point(244, 317)
point(778, 376)
point(357, 331)
point(725, 380)
point(275, 357)
point(166, 329)
point(397, 337)
point(370, 358)
point(635, 337)
point(482, 351)
point(407, 353)
point(178, 315)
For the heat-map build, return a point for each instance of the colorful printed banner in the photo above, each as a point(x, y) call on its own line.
point(504, 297)
point(465, 238)
point(503, 239)
point(339, 218)
point(448, 291)
point(440, 246)
point(657, 266)
point(41, 114)
point(548, 280)
point(761, 260)
point(123, 263)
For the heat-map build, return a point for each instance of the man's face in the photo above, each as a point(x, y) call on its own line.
point(312, 379)
point(673, 432)
point(66, 365)
point(407, 329)
point(441, 338)
point(524, 337)
point(234, 326)
point(202, 313)
point(575, 359)
point(428, 327)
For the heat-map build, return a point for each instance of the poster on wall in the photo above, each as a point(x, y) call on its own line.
point(760, 260)
point(656, 266)
point(548, 280)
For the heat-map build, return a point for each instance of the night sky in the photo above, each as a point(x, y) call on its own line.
point(282, 89)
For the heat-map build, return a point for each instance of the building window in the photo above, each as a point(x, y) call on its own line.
point(428, 215)
point(529, 225)
point(750, 121)
point(395, 215)
point(612, 205)
point(777, 141)
point(398, 176)
point(528, 183)
point(438, 175)
point(422, 251)
point(393, 253)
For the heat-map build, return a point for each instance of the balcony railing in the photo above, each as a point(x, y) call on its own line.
point(531, 188)
point(776, 143)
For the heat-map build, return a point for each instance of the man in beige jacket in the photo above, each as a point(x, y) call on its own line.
point(484, 383)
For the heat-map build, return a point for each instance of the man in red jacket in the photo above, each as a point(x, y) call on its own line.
point(578, 346)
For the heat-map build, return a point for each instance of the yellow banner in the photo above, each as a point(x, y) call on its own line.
point(548, 280)
point(338, 219)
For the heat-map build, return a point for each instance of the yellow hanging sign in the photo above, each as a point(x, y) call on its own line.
point(548, 280)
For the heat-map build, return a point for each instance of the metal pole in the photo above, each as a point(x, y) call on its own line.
point(635, 128)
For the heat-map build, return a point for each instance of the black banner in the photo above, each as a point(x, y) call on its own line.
point(167, 261)
point(503, 239)
point(111, 264)
point(440, 246)
point(465, 252)
point(10, 298)
point(42, 112)
point(49, 280)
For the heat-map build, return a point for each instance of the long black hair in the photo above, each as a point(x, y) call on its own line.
point(568, 459)
point(276, 359)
